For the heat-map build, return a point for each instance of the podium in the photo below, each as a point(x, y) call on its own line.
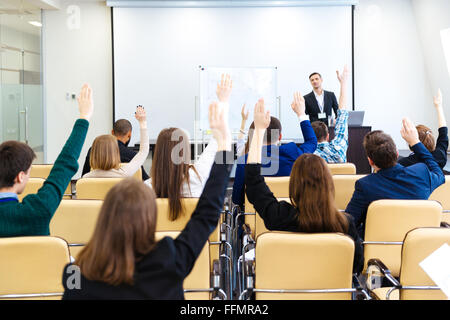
point(355, 151)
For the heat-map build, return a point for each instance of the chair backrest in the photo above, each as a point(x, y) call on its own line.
point(279, 187)
point(199, 278)
point(43, 171)
point(342, 168)
point(442, 193)
point(138, 173)
point(389, 221)
point(446, 217)
point(298, 261)
point(95, 188)
point(75, 221)
point(33, 185)
point(344, 186)
point(32, 266)
point(418, 245)
point(164, 224)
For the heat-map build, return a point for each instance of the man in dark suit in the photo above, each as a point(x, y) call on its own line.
point(391, 180)
point(320, 103)
point(122, 131)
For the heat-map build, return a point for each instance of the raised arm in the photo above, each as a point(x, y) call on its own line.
point(341, 128)
point(440, 111)
point(206, 215)
point(258, 193)
point(49, 196)
point(310, 143)
point(410, 135)
point(138, 160)
point(240, 145)
point(205, 161)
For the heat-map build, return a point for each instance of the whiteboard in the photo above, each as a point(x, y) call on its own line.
point(249, 85)
point(158, 51)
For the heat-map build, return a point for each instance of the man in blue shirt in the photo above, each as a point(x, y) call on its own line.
point(391, 180)
point(277, 160)
point(335, 151)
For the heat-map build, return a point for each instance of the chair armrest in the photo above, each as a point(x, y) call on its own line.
point(381, 267)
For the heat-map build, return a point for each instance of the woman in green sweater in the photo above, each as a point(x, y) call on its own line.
point(32, 216)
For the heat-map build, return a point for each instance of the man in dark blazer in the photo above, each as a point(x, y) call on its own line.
point(391, 180)
point(122, 131)
point(320, 103)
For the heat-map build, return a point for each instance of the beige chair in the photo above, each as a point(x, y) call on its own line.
point(414, 283)
point(442, 194)
point(163, 223)
point(342, 168)
point(301, 266)
point(197, 284)
point(387, 223)
point(32, 187)
point(32, 267)
point(344, 186)
point(43, 171)
point(138, 174)
point(280, 189)
point(75, 221)
point(95, 188)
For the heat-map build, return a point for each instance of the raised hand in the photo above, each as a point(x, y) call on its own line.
point(342, 77)
point(219, 126)
point(298, 105)
point(437, 100)
point(244, 115)
point(140, 114)
point(261, 117)
point(224, 88)
point(85, 102)
point(409, 132)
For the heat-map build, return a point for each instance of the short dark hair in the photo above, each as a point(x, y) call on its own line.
point(314, 73)
point(270, 136)
point(381, 149)
point(320, 129)
point(122, 127)
point(15, 157)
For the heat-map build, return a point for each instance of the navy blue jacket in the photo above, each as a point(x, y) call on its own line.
point(277, 161)
point(415, 182)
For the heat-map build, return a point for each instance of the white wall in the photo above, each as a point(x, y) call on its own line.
point(432, 17)
point(73, 56)
point(391, 81)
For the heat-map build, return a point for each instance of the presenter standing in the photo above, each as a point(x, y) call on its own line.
point(319, 102)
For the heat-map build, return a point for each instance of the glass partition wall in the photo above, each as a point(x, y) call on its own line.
point(21, 107)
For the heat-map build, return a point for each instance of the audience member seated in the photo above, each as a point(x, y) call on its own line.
point(122, 131)
point(336, 150)
point(390, 179)
point(123, 260)
point(176, 178)
point(311, 191)
point(277, 160)
point(32, 216)
point(439, 148)
point(105, 156)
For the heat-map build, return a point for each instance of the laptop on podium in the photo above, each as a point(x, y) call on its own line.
point(355, 118)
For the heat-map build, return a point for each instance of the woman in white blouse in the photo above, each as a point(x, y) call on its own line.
point(172, 174)
point(105, 155)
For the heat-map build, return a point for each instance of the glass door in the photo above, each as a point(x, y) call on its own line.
point(21, 108)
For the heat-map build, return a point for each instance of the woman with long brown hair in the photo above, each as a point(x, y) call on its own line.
point(105, 155)
point(172, 174)
point(311, 191)
point(124, 261)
